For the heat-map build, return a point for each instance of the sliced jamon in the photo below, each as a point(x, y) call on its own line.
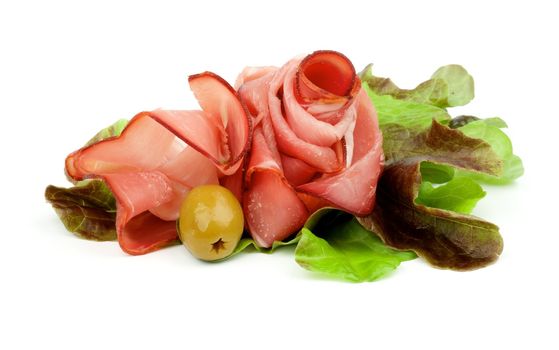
point(296, 171)
point(321, 157)
point(325, 84)
point(325, 130)
point(253, 95)
point(273, 211)
point(324, 76)
point(161, 155)
point(127, 153)
point(354, 188)
point(305, 125)
point(218, 98)
point(253, 73)
point(146, 233)
point(138, 230)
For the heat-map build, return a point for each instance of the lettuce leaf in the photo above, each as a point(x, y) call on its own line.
point(490, 131)
point(410, 114)
point(413, 213)
point(459, 85)
point(446, 239)
point(87, 210)
point(439, 144)
point(436, 173)
point(333, 243)
point(429, 221)
point(459, 194)
point(449, 86)
point(348, 251)
point(414, 109)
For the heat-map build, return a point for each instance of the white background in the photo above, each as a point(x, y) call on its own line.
point(70, 68)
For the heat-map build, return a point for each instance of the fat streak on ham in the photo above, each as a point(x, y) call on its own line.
point(288, 141)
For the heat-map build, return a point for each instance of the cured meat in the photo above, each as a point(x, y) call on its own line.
point(316, 143)
point(161, 155)
point(289, 141)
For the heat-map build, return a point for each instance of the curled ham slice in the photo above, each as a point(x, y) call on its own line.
point(316, 143)
point(161, 155)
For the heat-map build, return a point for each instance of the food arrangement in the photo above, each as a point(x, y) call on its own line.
point(358, 173)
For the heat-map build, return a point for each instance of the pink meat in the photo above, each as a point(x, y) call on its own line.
point(161, 155)
point(316, 143)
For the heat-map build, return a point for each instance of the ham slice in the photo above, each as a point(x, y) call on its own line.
point(273, 211)
point(316, 143)
point(161, 155)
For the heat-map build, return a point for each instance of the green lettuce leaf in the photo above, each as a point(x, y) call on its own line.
point(249, 243)
point(459, 194)
point(436, 173)
point(343, 249)
point(415, 109)
point(410, 114)
point(406, 221)
point(333, 243)
point(460, 84)
point(490, 131)
point(112, 130)
point(87, 210)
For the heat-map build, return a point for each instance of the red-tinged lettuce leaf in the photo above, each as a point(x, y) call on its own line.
point(449, 86)
point(443, 237)
point(439, 144)
point(489, 130)
point(88, 209)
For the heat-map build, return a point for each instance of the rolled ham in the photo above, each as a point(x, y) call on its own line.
point(316, 143)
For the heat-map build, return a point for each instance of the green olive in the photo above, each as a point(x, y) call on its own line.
point(211, 222)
